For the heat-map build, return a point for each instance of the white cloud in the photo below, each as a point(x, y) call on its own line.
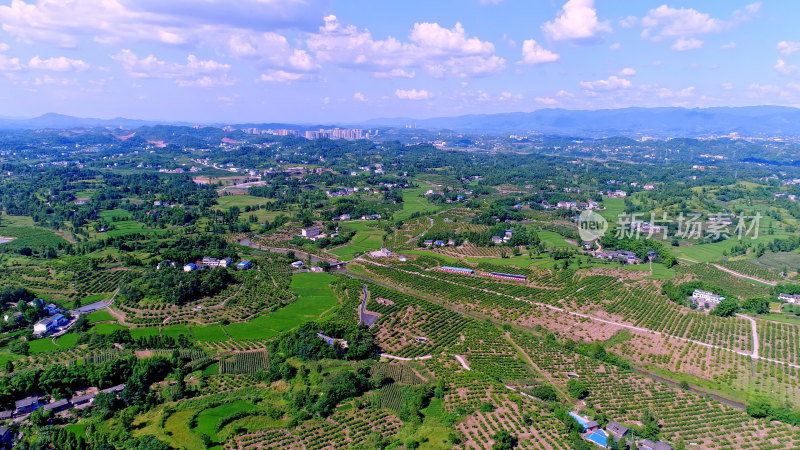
point(505, 96)
point(359, 96)
point(728, 46)
point(667, 22)
point(611, 84)
point(753, 8)
point(475, 66)
point(438, 49)
point(395, 73)
point(577, 22)
point(681, 24)
point(3, 46)
point(9, 64)
point(627, 72)
point(788, 47)
point(669, 93)
point(783, 68)
point(174, 22)
point(533, 53)
point(629, 22)
point(195, 72)
point(727, 86)
point(436, 39)
point(615, 46)
point(546, 100)
point(412, 94)
point(281, 76)
point(758, 90)
point(683, 44)
point(60, 64)
point(47, 80)
point(269, 50)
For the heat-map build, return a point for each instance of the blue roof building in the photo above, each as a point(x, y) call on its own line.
point(458, 270)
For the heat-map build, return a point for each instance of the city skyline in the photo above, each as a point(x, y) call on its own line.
point(335, 61)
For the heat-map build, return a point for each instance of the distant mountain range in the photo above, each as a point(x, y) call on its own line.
point(658, 122)
point(53, 120)
point(662, 122)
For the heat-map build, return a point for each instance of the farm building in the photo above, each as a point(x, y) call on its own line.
point(82, 400)
point(646, 444)
point(458, 270)
point(701, 296)
point(164, 264)
point(244, 265)
point(14, 317)
point(790, 298)
point(309, 232)
point(619, 431)
point(382, 253)
point(619, 255)
point(47, 325)
point(214, 262)
point(57, 406)
point(190, 267)
point(330, 341)
point(508, 276)
point(26, 405)
point(297, 264)
point(114, 389)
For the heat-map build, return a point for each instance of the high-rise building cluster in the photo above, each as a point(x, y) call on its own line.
point(336, 133)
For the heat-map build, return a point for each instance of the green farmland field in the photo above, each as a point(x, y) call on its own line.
point(366, 239)
point(314, 298)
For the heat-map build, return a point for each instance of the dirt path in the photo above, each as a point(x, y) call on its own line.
point(463, 362)
point(400, 358)
point(741, 275)
point(119, 316)
point(225, 302)
point(755, 333)
point(522, 352)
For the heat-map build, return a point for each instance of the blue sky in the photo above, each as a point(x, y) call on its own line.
point(350, 60)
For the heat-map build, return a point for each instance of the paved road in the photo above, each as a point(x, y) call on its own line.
point(363, 316)
point(96, 305)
